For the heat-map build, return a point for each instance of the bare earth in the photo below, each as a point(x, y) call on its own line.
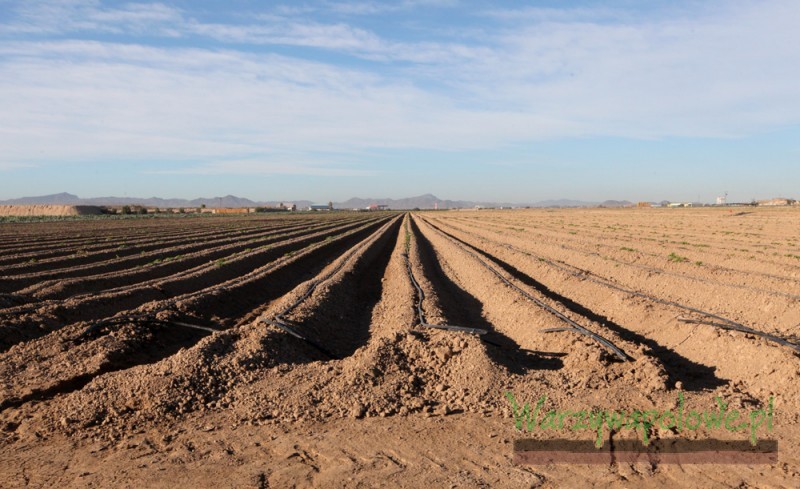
point(286, 350)
point(48, 210)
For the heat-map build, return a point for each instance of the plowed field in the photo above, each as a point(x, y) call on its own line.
point(378, 349)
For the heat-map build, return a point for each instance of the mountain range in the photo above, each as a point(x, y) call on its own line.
point(70, 199)
point(427, 201)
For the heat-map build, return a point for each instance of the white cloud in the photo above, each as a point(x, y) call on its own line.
point(724, 75)
point(543, 75)
point(373, 8)
point(90, 15)
point(10, 165)
point(288, 26)
point(286, 164)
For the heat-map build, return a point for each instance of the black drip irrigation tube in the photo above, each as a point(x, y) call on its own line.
point(136, 319)
point(421, 297)
point(732, 326)
point(573, 326)
point(149, 318)
point(280, 321)
point(724, 323)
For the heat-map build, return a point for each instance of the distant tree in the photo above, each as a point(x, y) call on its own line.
point(126, 209)
point(142, 210)
point(202, 206)
point(330, 206)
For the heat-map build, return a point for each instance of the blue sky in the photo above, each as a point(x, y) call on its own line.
point(325, 100)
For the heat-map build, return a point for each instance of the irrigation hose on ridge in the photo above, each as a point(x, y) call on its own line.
point(136, 319)
point(730, 325)
point(573, 326)
point(421, 297)
point(170, 302)
point(726, 323)
point(280, 321)
point(149, 318)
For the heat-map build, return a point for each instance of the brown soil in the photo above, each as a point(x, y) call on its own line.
point(48, 210)
point(305, 364)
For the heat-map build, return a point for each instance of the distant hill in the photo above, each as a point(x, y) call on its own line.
point(426, 201)
point(55, 199)
point(563, 203)
point(616, 203)
point(70, 199)
point(429, 201)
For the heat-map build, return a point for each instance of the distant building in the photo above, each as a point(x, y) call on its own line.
point(776, 202)
point(236, 210)
point(377, 207)
point(319, 207)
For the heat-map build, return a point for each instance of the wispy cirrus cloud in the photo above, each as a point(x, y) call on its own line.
point(272, 164)
point(283, 26)
point(10, 165)
point(373, 7)
point(43, 17)
point(224, 98)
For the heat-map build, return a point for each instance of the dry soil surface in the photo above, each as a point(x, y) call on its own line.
point(307, 350)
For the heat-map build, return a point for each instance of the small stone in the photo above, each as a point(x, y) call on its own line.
point(358, 410)
point(444, 353)
point(679, 385)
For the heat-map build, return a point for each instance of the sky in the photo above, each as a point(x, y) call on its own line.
point(470, 100)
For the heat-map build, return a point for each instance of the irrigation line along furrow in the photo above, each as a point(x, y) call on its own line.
point(134, 251)
point(183, 275)
point(573, 326)
point(110, 236)
point(115, 265)
point(55, 240)
point(47, 239)
point(96, 326)
point(134, 241)
point(127, 266)
point(421, 295)
point(717, 251)
point(587, 275)
point(137, 243)
point(744, 329)
point(279, 320)
point(680, 275)
point(150, 316)
point(261, 271)
point(703, 280)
